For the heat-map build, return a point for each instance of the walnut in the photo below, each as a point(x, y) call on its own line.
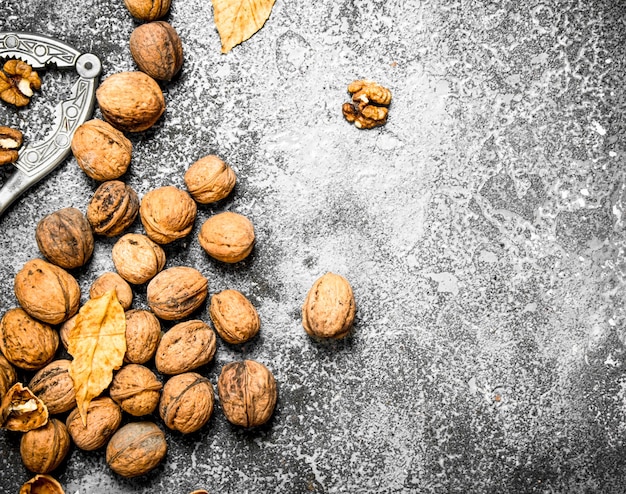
point(227, 237)
point(247, 391)
point(136, 449)
point(167, 214)
point(137, 258)
point(44, 449)
point(17, 82)
point(42, 484)
point(113, 208)
point(21, 410)
point(26, 342)
point(47, 292)
point(157, 50)
point(136, 390)
point(186, 346)
point(329, 307)
point(131, 101)
point(10, 141)
point(65, 238)
point(176, 292)
point(112, 281)
point(210, 179)
point(101, 151)
point(187, 402)
point(64, 330)
point(8, 376)
point(143, 333)
point(104, 416)
point(234, 317)
point(148, 10)
point(369, 107)
point(54, 386)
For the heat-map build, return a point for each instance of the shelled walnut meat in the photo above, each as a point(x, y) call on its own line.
point(148, 10)
point(18, 80)
point(369, 104)
point(143, 333)
point(8, 376)
point(112, 281)
point(137, 259)
point(227, 237)
point(187, 402)
point(136, 390)
point(43, 449)
point(167, 214)
point(157, 50)
point(176, 292)
point(54, 386)
point(186, 346)
point(210, 179)
point(234, 317)
point(104, 417)
point(136, 449)
point(10, 141)
point(113, 208)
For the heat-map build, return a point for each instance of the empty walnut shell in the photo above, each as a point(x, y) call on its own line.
point(186, 346)
point(234, 317)
point(112, 281)
point(26, 342)
point(8, 376)
point(137, 259)
point(113, 208)
point(44, 449)
point(148, 10)
point(167, 214)
point(136, 390)
point(210, 179)
point(47, 292)
point(104, 417)
point(42, 484)
point(176, 292)
point(157, 50)
point(227, 237)
point(329, 308)
point(54, 386)
point(136, 449)
point(247, 391)
point(65, 238)
point(21, 410)
point(187, 402)
point(143, 333)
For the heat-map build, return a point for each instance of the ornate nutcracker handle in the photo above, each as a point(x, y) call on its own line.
point(38, 159)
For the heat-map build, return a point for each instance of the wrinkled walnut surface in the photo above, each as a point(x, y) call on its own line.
point(136, 449)
point(136, 389)
point(143, 333)
point(234, 317)
point(167, 214)
point(44, 449)
point(113, 208)
point(227, 237)
point(112, 281)
point(54, 386)
point(187, 402)
point(104, 417)
point(157, 50)
point(210, 179)
point(186, 346)
point(176, 292)
point(137, 259)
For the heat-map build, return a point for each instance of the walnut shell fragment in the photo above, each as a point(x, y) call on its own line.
point(43, 449)
point(143, 333)
point(167, 214)
point(136, 449)
point(136, 390)
point(112, 281)
point(54, 386)
point(210, 179)
point(157, 50)
point(186, 346)
point(137, 259)
point(234, 317)
point(21, 410)
point(104, 417)
point(227, 237)
point(177, 292)
point(187, 402)
point(8, 376)
point(113, 208)
point(42, 484)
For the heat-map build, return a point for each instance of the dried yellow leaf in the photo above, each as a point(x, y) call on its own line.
point(238, 20)
point(98, 344)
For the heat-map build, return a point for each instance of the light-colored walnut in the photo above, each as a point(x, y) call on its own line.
point(136, 449)
point(112, 281)
point(234, 317)
point(187, 402)
point(54, 386)
point(44, 449)
point(143, 333)
point(177, 292)
point(136, 390)
point(148, 10)
point(137, 259)
point(104, 417)
point(157, 50)
point(210, 179)
point(186, 346)
point(167, 214)
point(227, 237)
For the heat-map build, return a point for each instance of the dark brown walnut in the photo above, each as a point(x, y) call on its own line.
point(113, 208)
point(137, 259)
point(112, 281)
point(42, 484)
point(21, 410)
point(143, 333)
point(157, 50)
point(104, 417)
point(54, 386)
point(167, 214)
point(177, 292)
point(210, 179)
point(234, 317)
point(65, 238)
point(136, 390)
point(329, 307)
point(187, 402)
point(247, 391)
point(10, 141)
point(148, 10)
point(227, 237)
point(26, 342)
point(47, 292)
point(8, 376)
point(44, 449)
point(136, 449)
point(101, 151)
point(186, 346)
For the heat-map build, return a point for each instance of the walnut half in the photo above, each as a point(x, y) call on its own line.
point(17, 82)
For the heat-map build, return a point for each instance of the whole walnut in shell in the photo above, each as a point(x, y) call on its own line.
point(65, 238)
point(44, 449)
point(42, 484)
point(167, 214)
point(187, 402)
point(136, 390)
point(64, 330)
point(101, 151)
point(329, 308)
point(47, 292)
point(26, 342)
point(136, 449)
point(234, 317)
point(8, 376)
point(186, 346)
point(112, 281)
point(104, 417)
point(157, 50)
point(210, 179)
point(227, 237)
point(148, 10)
point(176, 292)
point(54, 386)
point(247, 391)
point(143, 333)
point(113, 208)
point(137, 259)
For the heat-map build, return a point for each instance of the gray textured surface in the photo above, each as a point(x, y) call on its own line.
point(482, 230)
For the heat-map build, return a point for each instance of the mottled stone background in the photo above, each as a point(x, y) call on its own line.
point(482, 230)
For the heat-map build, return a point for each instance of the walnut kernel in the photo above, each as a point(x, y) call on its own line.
point(369, 107)
point(21, 410)
point(10, 141)
point(17, 82)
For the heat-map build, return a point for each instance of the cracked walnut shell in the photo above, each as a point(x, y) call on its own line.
point(210, 179)
point(54, 386)
point(227, 237)
point(113, 208)
point(157, 50)
point(17, 82)
point(137, 259)
point(42, 484)
point(176, 292)
point(136, 390)
point(136, 449)
point(234, 317)
point(186, 346)
point(167, 214)
point(143, 333)
point(187, 402)
point(10, 141)
point(21, 410)
point(43, 449)
point(104, 417)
